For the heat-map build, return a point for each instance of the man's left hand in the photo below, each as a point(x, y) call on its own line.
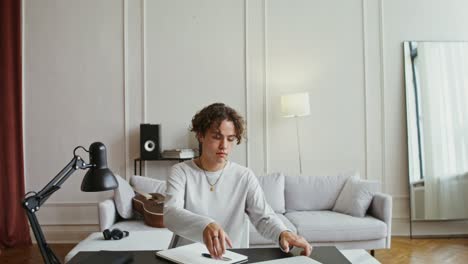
point(289, 239)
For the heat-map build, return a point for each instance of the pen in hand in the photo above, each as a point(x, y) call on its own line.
point(206, 255)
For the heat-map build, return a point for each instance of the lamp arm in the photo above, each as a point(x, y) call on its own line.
point(33, 202)
point(75, 164)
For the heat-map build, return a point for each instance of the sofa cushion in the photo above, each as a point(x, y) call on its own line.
point(123, 198)
point(328, 226)
point(256, 239)
point(148, 185)
point(356, 197)
point(273, 187)
point(313, 193)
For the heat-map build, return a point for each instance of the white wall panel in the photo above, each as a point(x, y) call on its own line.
point(135, 79)
point(73, 91)
point(195, 56)
point(373, 91)
point(75, 213)
point(316, 46)
point(256, 87)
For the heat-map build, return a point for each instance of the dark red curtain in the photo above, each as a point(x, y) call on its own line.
point(14, 229)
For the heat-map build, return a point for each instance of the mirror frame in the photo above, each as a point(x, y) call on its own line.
point(411, 101)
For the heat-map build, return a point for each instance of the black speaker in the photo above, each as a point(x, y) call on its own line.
point(150, 142)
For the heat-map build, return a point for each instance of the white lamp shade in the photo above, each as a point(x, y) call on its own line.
point(296, 104)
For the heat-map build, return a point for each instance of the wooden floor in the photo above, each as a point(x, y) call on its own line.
point(404, 250)
point(31, 254)
point(435, 250)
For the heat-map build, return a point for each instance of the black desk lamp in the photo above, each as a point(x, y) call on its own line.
point(98, 178)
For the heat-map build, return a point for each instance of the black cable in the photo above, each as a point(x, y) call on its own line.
point(74, 154)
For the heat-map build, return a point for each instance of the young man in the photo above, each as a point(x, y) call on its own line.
point(209, 198)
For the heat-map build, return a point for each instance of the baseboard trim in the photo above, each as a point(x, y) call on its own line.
point(441, 236)
point(66, 234)
point(400, 227)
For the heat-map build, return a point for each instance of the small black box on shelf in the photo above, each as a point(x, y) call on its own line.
point(150, 141)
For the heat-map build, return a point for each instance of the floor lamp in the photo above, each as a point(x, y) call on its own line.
point(98, 178)
point(296, 105)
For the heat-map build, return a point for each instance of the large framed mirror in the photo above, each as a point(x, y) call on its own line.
point(436, 76)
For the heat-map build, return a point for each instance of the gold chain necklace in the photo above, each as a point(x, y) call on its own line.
point(206, 176)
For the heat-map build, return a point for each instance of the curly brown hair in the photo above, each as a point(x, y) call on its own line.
point(215, 114)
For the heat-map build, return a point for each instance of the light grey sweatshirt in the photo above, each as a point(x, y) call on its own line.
point(190, 205)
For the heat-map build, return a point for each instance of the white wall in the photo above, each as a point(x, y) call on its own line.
point(95, 70)
point(73, 79)
point(194, 57)
point(403, 21)
point(303, 55)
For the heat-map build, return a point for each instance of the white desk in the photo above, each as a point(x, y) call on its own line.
point(359, 256)
point(140, 240)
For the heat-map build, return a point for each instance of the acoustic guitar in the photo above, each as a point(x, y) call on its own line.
point(150, 206)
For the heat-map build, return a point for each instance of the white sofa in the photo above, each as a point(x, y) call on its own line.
point(305, 204)
point(308, 206)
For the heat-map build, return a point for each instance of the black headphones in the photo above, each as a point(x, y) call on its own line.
point(114, 234)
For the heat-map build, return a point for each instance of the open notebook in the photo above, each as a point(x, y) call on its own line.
point(193, 254)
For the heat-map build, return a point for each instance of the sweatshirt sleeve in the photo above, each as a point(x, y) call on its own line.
point(262, 216)
point(177, 219)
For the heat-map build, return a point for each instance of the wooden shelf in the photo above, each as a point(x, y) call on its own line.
point(140, 162)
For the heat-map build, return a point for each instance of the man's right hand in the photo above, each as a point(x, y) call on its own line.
point(215, 240)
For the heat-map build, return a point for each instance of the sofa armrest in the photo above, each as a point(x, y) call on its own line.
point(381, 208)
point(107, 214)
